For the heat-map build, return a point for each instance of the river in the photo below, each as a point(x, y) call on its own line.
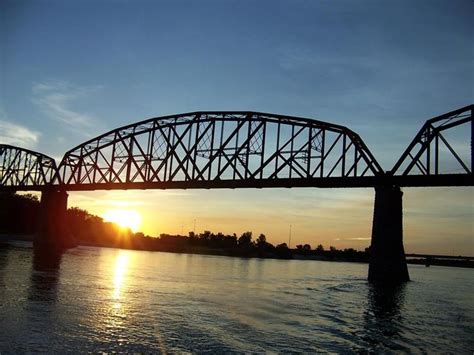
point(101, 299)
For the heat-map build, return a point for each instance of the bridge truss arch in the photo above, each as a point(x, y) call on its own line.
point(441, 154)
point(23, 168)
point(220, 149)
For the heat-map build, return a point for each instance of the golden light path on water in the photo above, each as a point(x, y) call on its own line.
point(114, 323)
point(120, 311)
point(120, 271)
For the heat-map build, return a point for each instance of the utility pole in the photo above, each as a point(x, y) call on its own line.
point(194, 230)
point(289, 239)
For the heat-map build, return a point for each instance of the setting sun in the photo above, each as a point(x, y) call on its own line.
point(124, 218)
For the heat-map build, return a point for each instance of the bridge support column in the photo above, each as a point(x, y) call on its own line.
point(53, 232)
point(387, 255)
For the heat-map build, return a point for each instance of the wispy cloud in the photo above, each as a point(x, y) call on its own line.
point(15, 134)
point(56, 97)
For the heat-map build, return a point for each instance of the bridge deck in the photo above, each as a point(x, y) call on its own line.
point(336, 182)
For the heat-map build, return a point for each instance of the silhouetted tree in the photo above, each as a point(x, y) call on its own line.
point(245, 240)
point(18, 213)
point(205, 236)
point(261, 241)
point(216, 240)
point(230, 241)
point(303, 249)
point(263, 247)
point(193, 238)
point(282, 251)
point(319, 249)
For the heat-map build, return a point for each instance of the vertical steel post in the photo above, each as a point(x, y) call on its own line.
point(129, 160)
point(173, 150)
point(323, 143)
point(291, 149)
point(472, 137)
point(263, 148)
point(236, 147)
point(308, 162)
point(221, 139)
point(213, 123)
point(277, 149)
point(188, 149)
point(247, 153)
point(96, 165)
point(343, 168)
point(196, 145)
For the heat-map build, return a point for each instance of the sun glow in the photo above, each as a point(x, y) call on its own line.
point(125, 218)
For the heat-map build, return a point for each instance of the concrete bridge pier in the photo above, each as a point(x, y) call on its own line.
point(387, 255)
point(53, 232)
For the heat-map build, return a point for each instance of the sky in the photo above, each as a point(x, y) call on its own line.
point(71, 70)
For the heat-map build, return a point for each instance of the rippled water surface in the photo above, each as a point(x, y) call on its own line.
point(99, 299)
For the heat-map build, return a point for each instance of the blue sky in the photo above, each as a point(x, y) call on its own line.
point(71, 70)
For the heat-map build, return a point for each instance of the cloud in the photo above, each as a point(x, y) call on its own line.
point(55, 99)
point(15, 134)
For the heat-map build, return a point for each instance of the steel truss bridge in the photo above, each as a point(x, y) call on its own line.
point(242, 150)
point(247, 149)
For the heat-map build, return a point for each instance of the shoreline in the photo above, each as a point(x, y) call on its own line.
point(293, 254)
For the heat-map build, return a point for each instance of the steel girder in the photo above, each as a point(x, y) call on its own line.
point(22, 168)
point(238, 150)
point(432, 156)
point(220, 149)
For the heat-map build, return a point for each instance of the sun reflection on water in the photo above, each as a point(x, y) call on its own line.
point(120, 271)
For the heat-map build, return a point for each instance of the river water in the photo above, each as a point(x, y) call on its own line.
point(100, 299)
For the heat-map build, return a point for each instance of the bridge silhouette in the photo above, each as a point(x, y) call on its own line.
point(248, 150)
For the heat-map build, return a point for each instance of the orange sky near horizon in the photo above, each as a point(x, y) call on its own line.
point(436, 220)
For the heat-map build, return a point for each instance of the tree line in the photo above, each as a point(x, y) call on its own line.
point(19, 215)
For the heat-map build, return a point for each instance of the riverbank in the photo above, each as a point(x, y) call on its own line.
point(349, 255)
